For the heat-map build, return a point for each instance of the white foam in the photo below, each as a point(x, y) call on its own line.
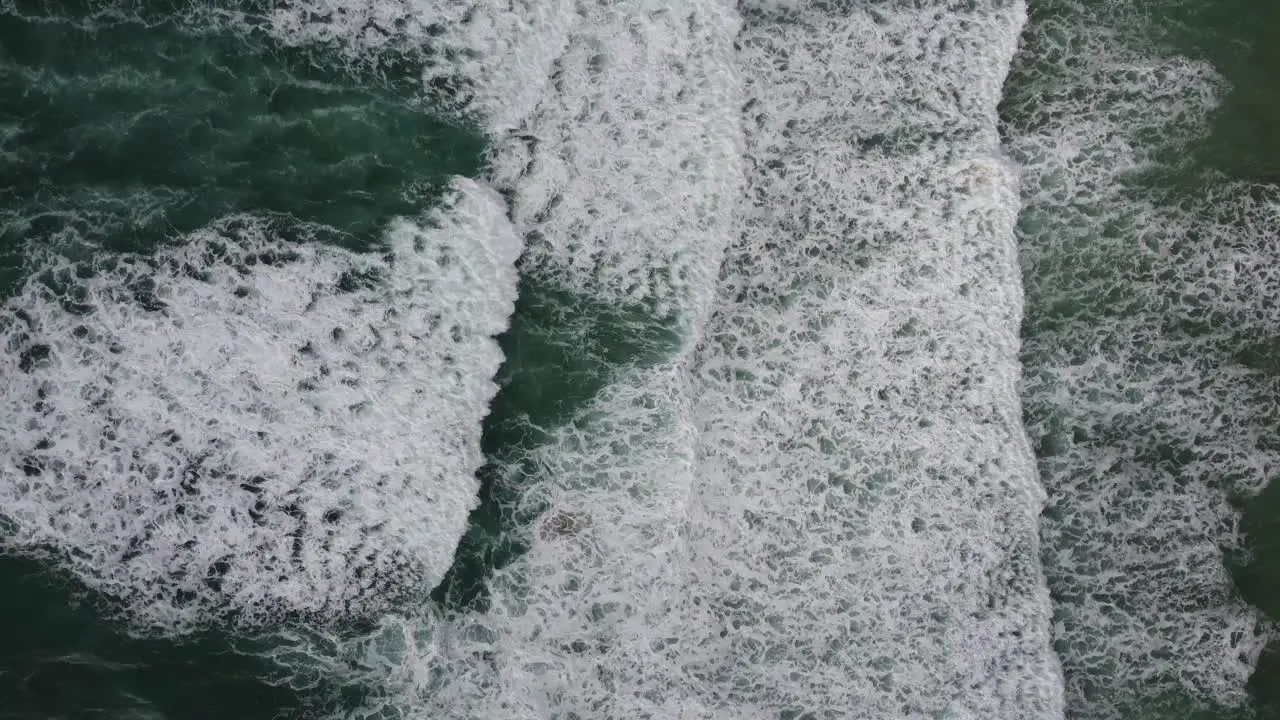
point(244, 425)
point(823, 504)
point(872, 498)
point(1146, 421)
point(626, 174)
point(614, 127)
point(491, 59)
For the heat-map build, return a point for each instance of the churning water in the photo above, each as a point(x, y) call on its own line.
point(638, 359)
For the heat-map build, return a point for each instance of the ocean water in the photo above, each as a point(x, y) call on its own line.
point(646, 359)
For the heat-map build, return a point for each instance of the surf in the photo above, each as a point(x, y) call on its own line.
point(786, 245)
point(1147, 288)
point(821, 498)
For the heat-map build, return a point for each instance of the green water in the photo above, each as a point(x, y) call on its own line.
point(1238, 38)
point(121, 132)
point(59, 659)
point(1242, 144)
point(120, 135)
point(1245, 143)
point(560, 351)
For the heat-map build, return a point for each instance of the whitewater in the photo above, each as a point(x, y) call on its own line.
point(1150, 305)
point(813, 497)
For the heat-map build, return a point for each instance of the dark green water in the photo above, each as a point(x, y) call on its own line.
point(1245, 143)
point(1087, 287)
point(60, 659)
point(560, 351)
point(1239, 39)
point(122, 135)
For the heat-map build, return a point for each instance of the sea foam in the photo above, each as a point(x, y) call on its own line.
point(869, 500)
point(1150, 315)
point(822, 504)
point(243, 425)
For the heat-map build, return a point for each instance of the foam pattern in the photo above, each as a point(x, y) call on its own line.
point(862, 454)
point(245, 425)
point(823, 505)
point(613, 126)
point(600, 618)
point(486, 60)
point(626, 175)
point(1152, 328)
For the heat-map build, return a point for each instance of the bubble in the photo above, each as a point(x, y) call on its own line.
point(240, 426)
point(1146, 304)
point(823, 498)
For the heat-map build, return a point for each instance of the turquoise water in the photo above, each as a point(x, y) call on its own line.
point(127, 129)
